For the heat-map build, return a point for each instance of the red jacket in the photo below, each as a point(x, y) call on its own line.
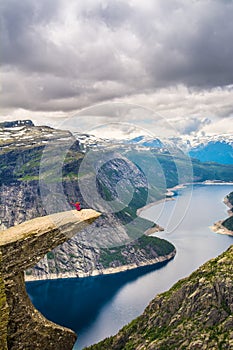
point(77, 205)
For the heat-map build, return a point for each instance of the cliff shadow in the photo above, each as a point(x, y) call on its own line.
point(76, 302)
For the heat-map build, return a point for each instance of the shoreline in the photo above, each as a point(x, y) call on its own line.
point(229, 205)
point(107, 271)
point(170, 193)
point(150, 231)
point(169, 196)
point(214, 182)
point(153, 229)
point(147, 206)
point(218, 227)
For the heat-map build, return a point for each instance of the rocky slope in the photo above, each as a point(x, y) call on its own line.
point(196, 313)
point(228, 223)
point(21, 246)
point(4, 311)
point(22, 146)
point(81, 260)
point(226, 226)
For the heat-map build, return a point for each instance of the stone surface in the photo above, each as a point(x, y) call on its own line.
point(22, 326)
point(4, 312)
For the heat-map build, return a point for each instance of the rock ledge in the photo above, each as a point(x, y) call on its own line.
point(22, 246)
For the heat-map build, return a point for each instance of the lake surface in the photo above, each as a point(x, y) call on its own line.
point(96, 307)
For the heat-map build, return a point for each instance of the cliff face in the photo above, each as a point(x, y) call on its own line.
point(4, 311)
point(22, 246)
point(22, 147)
point(80, 260)
point(82, 255)
point(20, 201)
point(196, 313)
point(228, 223)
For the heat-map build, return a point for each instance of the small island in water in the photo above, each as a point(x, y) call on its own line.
point(226, 226)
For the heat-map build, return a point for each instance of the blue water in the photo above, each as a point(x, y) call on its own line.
point(96, 307)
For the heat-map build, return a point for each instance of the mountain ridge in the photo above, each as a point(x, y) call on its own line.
point(196, 313)
point(21, 200)
point(20, 162)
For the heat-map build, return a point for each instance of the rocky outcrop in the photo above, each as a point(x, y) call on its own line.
point(4, 311)
point(225, 227)
point(196, 313)
point(20, 201)
point(218, 227)
point(22, 246)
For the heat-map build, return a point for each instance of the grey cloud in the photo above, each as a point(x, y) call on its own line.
point(111, 12)
point(195, 48)
point(190, 125)
point(67, 55)
point(19, 19)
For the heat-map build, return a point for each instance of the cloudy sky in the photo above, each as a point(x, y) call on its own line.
point(172, 56)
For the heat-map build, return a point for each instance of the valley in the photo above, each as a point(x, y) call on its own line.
point(42, 171)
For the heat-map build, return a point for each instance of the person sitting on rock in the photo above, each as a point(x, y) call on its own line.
point(77, 205)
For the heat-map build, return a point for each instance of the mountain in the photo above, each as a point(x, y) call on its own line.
point(88, 141)
point(146, 141)
point(216, 148)
point(196, 313)
point(116, 180)
point(29, 189)
point(207, 148)
point(213, 151)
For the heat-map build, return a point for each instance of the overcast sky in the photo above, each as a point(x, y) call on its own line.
point(173, 56)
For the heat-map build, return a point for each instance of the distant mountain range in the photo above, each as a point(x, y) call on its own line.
point(147, 141)
point(215, 148)
point(213, 151)
point(130, 177)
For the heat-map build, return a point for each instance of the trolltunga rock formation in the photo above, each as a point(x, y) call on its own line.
point(22, 246)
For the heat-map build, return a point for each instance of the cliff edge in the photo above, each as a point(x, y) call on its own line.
point(22, 246)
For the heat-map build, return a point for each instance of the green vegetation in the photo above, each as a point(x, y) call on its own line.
point(22, 163)
point(146, 247)
point(195, 313)
point(230, 198)
point(228, 223)
point(50, 255)
point(212, 171)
